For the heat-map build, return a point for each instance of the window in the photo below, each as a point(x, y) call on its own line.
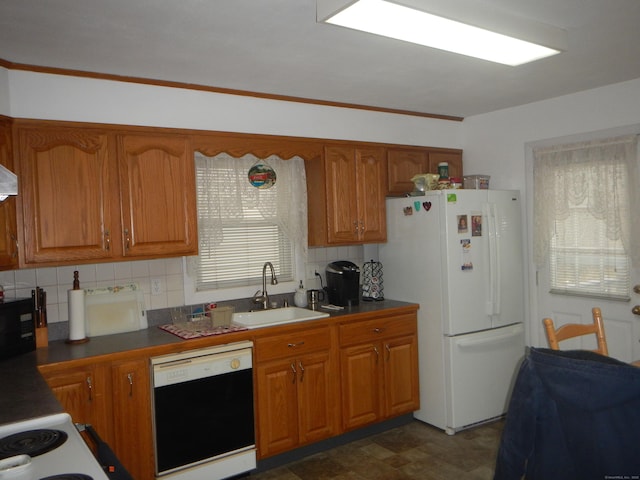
point(583, 216)
point(240, 227)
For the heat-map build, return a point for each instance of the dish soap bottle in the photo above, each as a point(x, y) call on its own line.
point(300, 297)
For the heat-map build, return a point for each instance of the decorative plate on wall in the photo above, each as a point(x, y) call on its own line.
point(261, 175)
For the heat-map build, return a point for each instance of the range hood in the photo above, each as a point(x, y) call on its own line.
point(8, 183)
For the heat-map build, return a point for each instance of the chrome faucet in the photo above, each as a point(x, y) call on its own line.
point(264, 297)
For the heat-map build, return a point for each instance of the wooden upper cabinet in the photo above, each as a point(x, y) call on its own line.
point(95, 194)
point(66, 190)
point(404, 163)
point(8, 228)
point(157, 184)
point(355, 183)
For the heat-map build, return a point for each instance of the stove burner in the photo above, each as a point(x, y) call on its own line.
point(31, 442)
point(68, 476)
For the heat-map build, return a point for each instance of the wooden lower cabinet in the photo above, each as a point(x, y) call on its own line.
point(82, 393)
point(296, 390)
point(379, 370)
point(132, 429)
point(114, 397)
point(312, 382)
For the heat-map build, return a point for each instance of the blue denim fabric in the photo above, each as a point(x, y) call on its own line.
point(572, 415)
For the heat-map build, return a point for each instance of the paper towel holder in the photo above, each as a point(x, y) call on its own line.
point(76, 288)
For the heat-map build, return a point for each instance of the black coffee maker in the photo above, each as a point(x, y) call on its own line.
point(343, 283)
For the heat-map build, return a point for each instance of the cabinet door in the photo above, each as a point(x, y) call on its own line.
point(65, 193)
point(75, 390)
point(317, 394)
point(372, 180)
point(277, 407)
point(342, 208)
point(133, 442)
point(401, 375)
point(402, 165)
point(82, 392)
point(8, 230)
point(157, 184)
point(361, 385)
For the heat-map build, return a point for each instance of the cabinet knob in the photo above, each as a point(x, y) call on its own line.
point(127, 239)
point(107, 240)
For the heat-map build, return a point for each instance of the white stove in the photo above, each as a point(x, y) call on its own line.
point(71, 459)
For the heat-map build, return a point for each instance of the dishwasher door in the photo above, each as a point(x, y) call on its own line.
point(203, 411)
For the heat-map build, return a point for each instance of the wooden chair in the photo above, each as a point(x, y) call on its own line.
point(571, 330)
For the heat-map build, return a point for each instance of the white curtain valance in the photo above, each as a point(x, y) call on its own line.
point(601, 173)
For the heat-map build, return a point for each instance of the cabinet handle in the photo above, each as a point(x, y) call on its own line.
point(361, 226)
point(388, 348)
point(294, 345)
point(127, 239)
point(130, 378)
point(375, 349)
point(378, 330)
point(107, 240)
point(15, 242)
point(295, 373)
point(90, 387)
point(301, 371)
point(355, 226)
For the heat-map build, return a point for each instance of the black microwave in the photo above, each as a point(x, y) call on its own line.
point(17, 327)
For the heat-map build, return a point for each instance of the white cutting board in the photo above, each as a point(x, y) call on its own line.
point(112, 310)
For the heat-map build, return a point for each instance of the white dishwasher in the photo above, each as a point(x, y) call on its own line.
point(203, 415)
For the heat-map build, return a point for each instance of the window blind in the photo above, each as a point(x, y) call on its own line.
point(241, 227)
point(584, 261)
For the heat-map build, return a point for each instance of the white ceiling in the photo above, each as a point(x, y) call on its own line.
point(276, 47)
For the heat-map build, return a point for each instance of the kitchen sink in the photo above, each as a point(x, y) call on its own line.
point(275, 316)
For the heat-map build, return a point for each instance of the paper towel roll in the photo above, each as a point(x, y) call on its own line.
point(77, 329)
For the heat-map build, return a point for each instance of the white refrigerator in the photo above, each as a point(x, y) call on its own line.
point(459, 254)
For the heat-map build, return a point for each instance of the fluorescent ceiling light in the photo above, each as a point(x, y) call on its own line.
point(404, 23)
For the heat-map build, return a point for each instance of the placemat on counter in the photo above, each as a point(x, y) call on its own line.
point(187, 333)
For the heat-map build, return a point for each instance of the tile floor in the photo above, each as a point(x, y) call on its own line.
point(409, 452)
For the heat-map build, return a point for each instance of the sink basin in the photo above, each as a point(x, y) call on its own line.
point(276, 316)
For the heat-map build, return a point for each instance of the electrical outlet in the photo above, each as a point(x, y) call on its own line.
point(312, 268)
point(156, 286)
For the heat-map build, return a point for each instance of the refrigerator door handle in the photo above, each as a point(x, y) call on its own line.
point(493, 303)
point(497, 267)
point(487, 213)
point(483, 342)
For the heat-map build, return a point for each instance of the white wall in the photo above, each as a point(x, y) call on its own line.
point(45, 96)
point(496, 144)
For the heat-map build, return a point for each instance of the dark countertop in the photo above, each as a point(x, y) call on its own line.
point(25, 394)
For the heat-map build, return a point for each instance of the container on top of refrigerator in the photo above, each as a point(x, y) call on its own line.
point(478, 182)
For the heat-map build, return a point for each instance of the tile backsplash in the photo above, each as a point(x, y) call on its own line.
point(165, 274)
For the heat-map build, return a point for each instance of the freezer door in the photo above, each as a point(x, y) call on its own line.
point(480, 371)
